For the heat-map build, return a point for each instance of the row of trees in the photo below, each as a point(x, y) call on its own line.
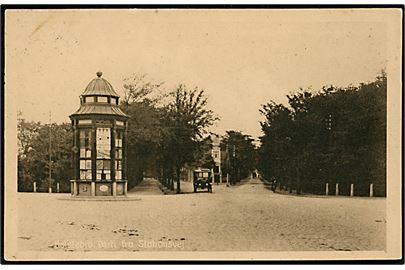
point(336, 135)
point(166, 131)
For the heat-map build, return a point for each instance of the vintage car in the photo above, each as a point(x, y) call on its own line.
point(202, 179)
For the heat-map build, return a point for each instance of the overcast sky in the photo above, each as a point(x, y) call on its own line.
point(242, 58)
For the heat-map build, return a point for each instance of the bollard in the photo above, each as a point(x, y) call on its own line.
point(371, 190)
point(337, 189)
point(327, 189)
point(75, 188)
point(93, 189)
point(351, 190)
point(57, 187)
point(35, 186)
point(114, 188)
point(50, 189)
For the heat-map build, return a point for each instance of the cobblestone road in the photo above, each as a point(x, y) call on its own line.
point(247, 217)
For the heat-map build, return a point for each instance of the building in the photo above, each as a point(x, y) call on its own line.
point(99, 142)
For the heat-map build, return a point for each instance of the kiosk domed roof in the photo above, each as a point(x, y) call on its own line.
point(99, 87)
point(99, 98)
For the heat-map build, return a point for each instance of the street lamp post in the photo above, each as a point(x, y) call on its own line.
point(329, 128)
point(233, 164)
point(50, 155)
point(227, 161)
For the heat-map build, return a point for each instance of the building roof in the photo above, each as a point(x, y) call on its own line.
point(87, 109)
point(99, 87)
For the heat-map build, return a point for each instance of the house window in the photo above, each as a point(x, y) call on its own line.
point(215, 154)
point(114, 100)
point(89, 99)
point(85, 154)
point(102, 99)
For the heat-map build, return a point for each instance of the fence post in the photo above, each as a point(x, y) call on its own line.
point(57, 187)
point(371, 190)
point(351, 190)
point(337, 189)
point(35, 186)
point(327, 189)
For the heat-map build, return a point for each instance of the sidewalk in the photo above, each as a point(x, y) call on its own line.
point(148, 186)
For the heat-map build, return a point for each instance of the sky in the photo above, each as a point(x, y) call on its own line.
point(241, 58)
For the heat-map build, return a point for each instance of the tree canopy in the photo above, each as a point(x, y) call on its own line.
point(166, 131)
point(335, 135)
point(240, 156)
point(35, 155)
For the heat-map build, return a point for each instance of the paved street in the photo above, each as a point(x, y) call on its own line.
point(248, 217)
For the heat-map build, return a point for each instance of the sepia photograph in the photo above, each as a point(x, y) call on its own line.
point(195, 134)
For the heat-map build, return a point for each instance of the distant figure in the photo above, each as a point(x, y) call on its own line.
point(273, 185)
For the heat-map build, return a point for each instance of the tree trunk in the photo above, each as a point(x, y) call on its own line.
point(298, 188)
point(171, 183)
point(178, 180)
point(166, 178)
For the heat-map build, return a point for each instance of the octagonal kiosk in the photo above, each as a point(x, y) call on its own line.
point(99, 142)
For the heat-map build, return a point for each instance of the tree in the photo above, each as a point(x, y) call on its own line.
point(145, 130)
point(188, 120)
point(240, 157)
point(34, 151)
point(27, 132)
point(203, 156)
point(276, 145)
point(138, 88)
point(144, 137)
